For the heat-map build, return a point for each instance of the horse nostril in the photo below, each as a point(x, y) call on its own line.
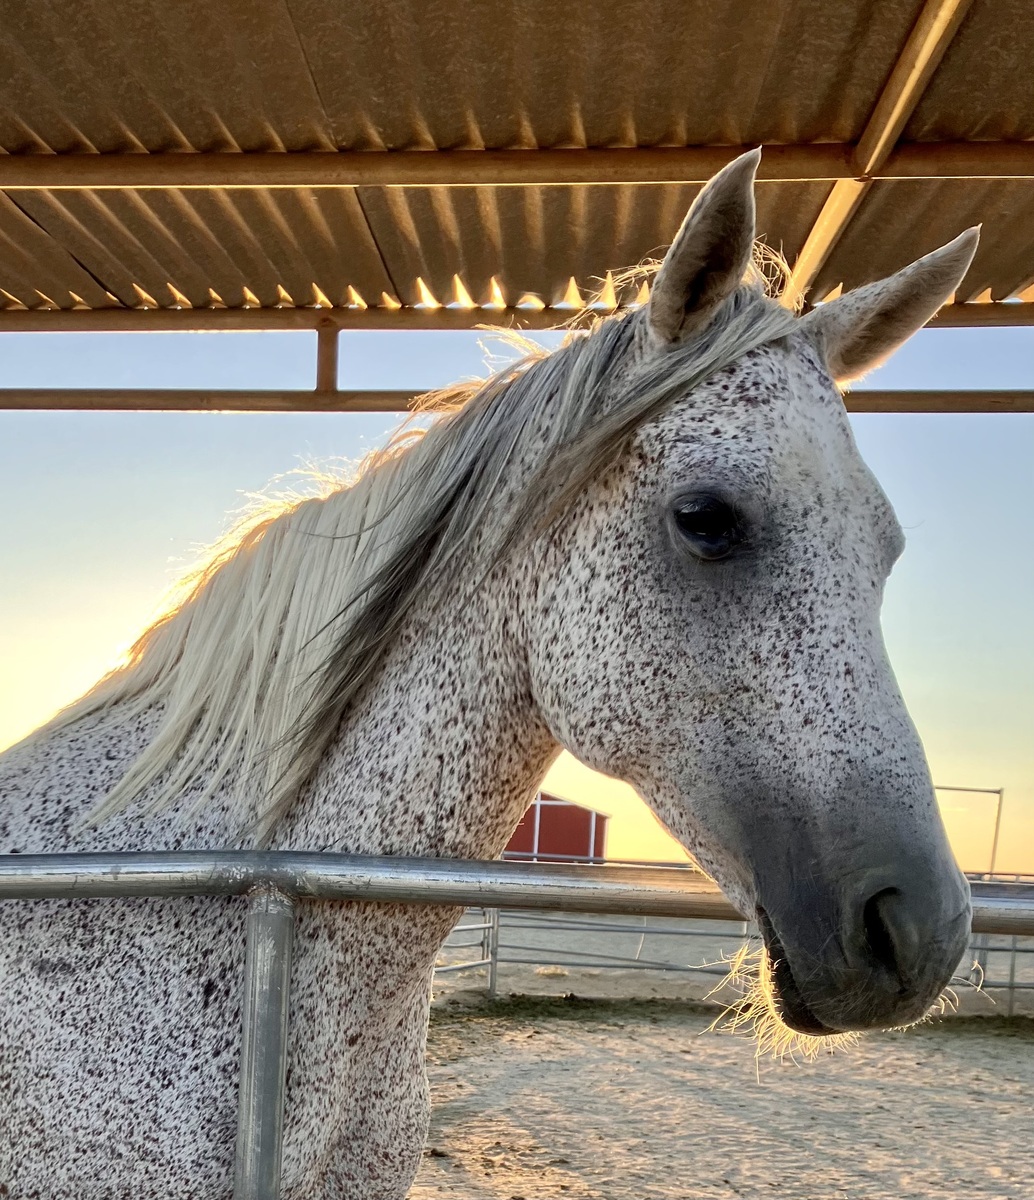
point(878, 937)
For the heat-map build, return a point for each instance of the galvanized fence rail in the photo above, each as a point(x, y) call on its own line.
point(549, 949)
point(274, 883)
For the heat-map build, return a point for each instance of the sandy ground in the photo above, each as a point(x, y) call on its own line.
point(543, 1098)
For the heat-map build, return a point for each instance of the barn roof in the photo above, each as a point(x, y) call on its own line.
point(443, 163)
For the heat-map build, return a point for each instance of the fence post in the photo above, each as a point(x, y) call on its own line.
point(263, 1069)
point(979, 947)
point(493, 952)
point(1012, 977)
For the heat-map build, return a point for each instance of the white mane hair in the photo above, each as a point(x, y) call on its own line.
point(256, 661)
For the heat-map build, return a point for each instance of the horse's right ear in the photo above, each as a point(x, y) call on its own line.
point(709, 256)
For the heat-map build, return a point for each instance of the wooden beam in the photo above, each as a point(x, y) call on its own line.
point(977, 401)
point(184, 320)
point(958, 160)
point(919, 58)
point(826, 162)
point(932, 34)
point(833, 219)
point(435, 168)
point(979, 316)
point(168, 400)
point(171, 400)
point(243, 320)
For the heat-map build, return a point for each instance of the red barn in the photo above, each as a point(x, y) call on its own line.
point(554, 830)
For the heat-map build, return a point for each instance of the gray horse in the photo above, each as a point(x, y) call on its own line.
point(656, 547)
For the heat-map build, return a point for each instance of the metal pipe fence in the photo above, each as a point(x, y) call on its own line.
point(275, 882)
point(1000, 962)
point(558, 952)
point(546, 941)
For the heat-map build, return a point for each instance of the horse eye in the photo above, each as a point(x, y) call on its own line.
point(709, 526)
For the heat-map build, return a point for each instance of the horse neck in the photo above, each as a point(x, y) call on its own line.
point(445, 748)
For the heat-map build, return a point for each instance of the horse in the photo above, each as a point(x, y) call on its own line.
point(657, 547)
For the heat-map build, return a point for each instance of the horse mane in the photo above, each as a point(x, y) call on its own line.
point(262, 649)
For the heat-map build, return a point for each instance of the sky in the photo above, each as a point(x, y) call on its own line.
point(102, 510)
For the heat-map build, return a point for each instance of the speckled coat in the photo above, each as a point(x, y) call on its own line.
point(748, 704)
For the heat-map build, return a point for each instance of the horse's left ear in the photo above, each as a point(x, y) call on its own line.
point(858, 331)
point(709, 256)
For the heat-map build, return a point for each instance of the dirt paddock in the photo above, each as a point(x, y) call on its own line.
point(541, 1098)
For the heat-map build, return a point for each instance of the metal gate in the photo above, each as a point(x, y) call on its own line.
point(275, 882)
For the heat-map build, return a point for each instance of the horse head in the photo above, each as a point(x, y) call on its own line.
point(705, 624)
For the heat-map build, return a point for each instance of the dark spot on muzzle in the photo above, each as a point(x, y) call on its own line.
point(790, 1004)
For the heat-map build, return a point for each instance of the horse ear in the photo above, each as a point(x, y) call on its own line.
point(858, 331)
point(709, 256)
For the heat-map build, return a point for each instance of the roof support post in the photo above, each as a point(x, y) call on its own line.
point(327, 346)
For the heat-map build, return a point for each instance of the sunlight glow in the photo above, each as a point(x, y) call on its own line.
point(145, 298)
point(496, 299)
point(530, 301)
point(178, 299)
point(572, 297)
point(463, 297)
point(756, 1014)
point(607, 300)
point(427, 297)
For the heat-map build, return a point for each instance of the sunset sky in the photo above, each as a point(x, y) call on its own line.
point(101, 510)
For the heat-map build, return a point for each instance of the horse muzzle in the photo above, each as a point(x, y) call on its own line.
point(874, 956)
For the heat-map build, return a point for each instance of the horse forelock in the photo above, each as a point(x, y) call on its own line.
point(261, 655)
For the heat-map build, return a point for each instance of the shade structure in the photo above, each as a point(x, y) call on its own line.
point(493, 160)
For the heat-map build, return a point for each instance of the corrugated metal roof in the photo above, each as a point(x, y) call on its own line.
point(881, 237)
point(131, 75)
point(37, 270)
point(165, 248)
point(422, 74)
point(219, 241)
point(275, 76)
point(984, 89)
point(536, 239)
point(146, 75)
